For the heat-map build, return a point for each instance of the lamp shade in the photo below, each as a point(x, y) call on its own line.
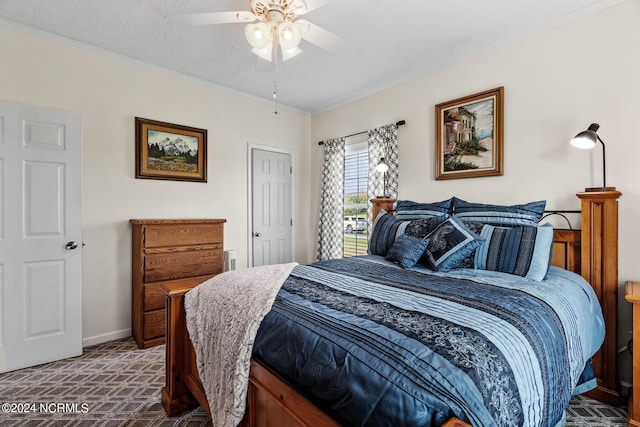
point(586, 139)
point(290, 53)
point(264, 53)
point(382, 166)
point(289, 35)
point(258, 35)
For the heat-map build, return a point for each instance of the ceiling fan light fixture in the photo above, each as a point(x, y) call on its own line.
point(258, 35)
point(289, 36)
point(277, 27)
point(264, 53)
point(290, 53)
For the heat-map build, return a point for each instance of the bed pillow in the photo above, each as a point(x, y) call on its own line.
point(422, 227)
point(449, 244)
point(386, 229)
point(407, 250)
point(524, 251)
point(468, 261)
point(515, 215)
point(407, 209)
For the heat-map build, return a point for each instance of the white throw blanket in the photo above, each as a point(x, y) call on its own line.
point(223, 316)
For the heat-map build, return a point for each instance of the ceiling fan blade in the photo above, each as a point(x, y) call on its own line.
point(310, 5)
point(323, 38)
point(214, 18)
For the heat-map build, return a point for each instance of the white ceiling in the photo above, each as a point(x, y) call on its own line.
point(385, 42)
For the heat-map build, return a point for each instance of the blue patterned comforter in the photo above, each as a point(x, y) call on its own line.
point(376, 345)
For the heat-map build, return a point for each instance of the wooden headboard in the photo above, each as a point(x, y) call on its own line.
point(566, 250)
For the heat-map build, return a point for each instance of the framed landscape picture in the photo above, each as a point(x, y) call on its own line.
point(169, 151)
point(469, 136)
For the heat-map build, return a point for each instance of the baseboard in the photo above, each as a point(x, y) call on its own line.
point(102, 338)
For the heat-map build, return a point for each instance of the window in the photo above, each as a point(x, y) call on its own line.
point(356, 170)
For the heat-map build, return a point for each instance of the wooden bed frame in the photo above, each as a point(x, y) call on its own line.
point(591, 251)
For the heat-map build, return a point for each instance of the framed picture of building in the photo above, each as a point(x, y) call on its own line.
point(169, 151)
point(469, 136)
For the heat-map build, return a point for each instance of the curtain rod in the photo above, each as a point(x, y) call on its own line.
point(398, 123)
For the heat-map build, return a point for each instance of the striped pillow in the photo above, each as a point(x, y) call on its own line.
point(386, 229)
point(523, 251)
point(515, 215)
point(407, 209)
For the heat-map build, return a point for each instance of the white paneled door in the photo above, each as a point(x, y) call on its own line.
point(271, 204)
point(40, 236)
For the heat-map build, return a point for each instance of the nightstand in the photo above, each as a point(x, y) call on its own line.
point(632, 294)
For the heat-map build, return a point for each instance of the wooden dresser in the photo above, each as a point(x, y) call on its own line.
point(167, 251)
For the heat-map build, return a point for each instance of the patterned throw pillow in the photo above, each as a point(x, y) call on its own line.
point(524, 251)
point(407, 209)
point(407, 250)
point(449, 244)
point(422, 227)
point(468, 261)
point(525, 214)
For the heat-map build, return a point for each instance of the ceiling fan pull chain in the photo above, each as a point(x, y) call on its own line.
point(275, 89)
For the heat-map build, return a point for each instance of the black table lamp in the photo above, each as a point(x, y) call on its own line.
point(383, 167)
point(586, 140)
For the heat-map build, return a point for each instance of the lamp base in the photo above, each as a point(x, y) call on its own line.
point(599, 189)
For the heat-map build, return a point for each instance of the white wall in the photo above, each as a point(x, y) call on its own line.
point(109, 92)
point(556, 84)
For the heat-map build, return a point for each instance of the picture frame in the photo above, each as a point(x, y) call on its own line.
point(469, 136)
point(169, 151)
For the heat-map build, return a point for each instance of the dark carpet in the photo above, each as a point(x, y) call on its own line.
point(116, 384)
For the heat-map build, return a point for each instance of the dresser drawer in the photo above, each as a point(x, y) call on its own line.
point(175, 265)
point(155, 296)
point(183, 234)
point(154, 324)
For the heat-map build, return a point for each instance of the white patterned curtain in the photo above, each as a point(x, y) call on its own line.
point(330, 238)
point(383, 143)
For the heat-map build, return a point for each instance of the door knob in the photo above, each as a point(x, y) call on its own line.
point(71, 245)
point(256, 234)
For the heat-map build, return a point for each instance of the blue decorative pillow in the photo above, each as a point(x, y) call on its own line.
point(525, 214)
point(407, 250)
point(386, 229)
point(449, 244)
point(407, 209)
point(476, 227)
point(422, 227)
point(524, 251)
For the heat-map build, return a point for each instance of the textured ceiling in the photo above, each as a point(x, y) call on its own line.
point(384, 42)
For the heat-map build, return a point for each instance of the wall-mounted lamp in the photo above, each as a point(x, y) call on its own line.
point(586, 140)
point(383, 167)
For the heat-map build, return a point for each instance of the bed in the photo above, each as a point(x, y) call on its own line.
point(368, 316)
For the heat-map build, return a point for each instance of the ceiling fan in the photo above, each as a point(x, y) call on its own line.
point(273, 24)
